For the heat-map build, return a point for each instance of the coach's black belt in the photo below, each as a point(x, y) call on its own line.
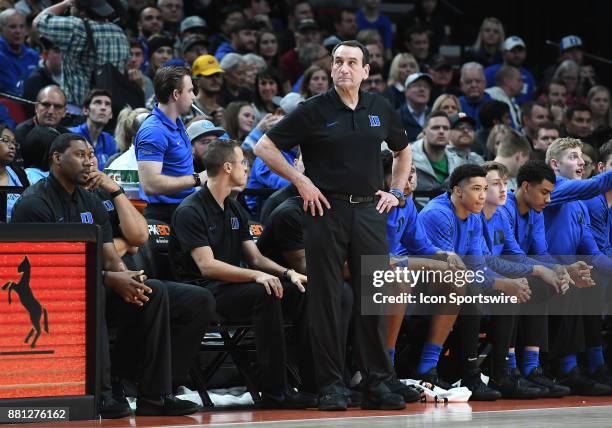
point(353, 199)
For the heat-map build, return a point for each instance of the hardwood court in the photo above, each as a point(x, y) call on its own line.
point(578, 411)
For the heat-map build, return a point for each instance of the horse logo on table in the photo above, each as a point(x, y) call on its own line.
point(29, 302)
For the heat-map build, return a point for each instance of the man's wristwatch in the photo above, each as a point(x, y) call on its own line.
point(196, 177)
point(117, 192)
point(286, 273)
point(399, 195)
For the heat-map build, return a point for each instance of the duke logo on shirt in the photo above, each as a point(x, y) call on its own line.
point(374, 120)
point(86, 217)
point(235, 223)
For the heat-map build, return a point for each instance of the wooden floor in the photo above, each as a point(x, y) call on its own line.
point(582, 412)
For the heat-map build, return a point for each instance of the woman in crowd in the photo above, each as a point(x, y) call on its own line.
point(448, 103)
point(568, 72)
point(487, 49)
point(239, 119)
point(402, 66)
point(10, 176)
point(160, 51)
point(315, 82)
point(254, 64)
point(267, 47)
point(268, 84)
point(598, 100)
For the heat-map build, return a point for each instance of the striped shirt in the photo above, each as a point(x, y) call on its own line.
point(78, 60)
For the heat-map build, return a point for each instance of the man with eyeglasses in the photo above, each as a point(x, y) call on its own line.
point(462, 137)
point(375, 82)
point(49, 110)
point(545, 134)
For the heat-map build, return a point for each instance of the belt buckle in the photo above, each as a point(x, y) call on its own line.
point(351, 200)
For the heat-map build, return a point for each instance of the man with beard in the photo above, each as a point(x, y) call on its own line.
point(208, 76)
point(243, 40)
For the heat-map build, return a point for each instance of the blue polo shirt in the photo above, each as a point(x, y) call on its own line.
point(16, 68)
point(406, 234)
point(161, 140)
point(104, 148)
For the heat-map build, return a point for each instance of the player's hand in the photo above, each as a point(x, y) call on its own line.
point(271, 283)
point(314, 201)
point(129, 285)
point(580, 273)
point(518, 287)
point(550, 277)
point(298, 279)
point(455, 262)
point(386, 202)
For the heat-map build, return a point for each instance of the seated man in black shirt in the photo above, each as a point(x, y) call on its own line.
point(61, 199)
point(210, 241)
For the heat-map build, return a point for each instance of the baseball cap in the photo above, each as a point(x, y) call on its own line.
point(192, 40)
point(192, 22)
point(156, 42)
point(569, 42)
point(456, 119)
point(513, 42)
point(439, 62)
point(99, 7)
point(289, 102)
point(331, 42)
point(418, 76)
point(206, 65)
point(307, 24)
point(203, 127)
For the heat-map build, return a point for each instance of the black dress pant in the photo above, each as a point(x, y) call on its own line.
point(249, 301)
point(345, 232)
point(160, 340)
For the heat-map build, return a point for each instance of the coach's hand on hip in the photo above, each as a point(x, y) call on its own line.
point(312, 196)
point(386, 202)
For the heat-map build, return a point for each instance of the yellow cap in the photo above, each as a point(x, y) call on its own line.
point(206, 65)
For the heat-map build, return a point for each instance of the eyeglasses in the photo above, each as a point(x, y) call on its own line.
point(46, 105)
point(9, 142)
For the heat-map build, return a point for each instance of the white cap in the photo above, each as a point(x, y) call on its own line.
point(417, 76)
point(203, 127)
point(512, 42)
point(569, 42)
point(289, 102)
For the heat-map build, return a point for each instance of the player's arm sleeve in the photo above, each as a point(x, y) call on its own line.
point(571, 190)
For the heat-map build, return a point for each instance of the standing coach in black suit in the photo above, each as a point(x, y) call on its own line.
point(340, 134)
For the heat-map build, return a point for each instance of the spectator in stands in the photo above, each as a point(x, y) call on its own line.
point(172, 13)
point(48, 72)
point(298, 11)
point(307, 31)
point(402, 66)
point(268, 49)
point(415, 110)
point(128, 123)
point(133, 68)
point(316, 81)
point(233, 80)
point(369, 16)
point(268, 84)
point(570, 48)
point(441, 73)
point(5, 118)
point(78, 63)
point(376, 54)
point(509, 83)
point(370, 37)
point(49, 111)
point(98, 112)
point(208, 77)
point(497, 134)
point(492, 113)
point(589, 156)
point(598, 100)
point(416, 41)
point(193, 46)
point(35, 152)
point(448, 103)
point(253, 65)
point(461, 138)
point(160, 52)
point(473, 86)
point(147, 305)
point(345, 24)
point(229, 16)
point(193, 26)
point(312, 54)
point(150, 23)
point(487, 49)
point(432, 161)
point(10, 175)
point(533, 115)
point(243, 39)
point(554, 96)
point(376, 81)
point(577, 123)
point(17, 59)
point(513, 152)
point(515, 52)
point(239, 120)
point(545, 134)
point(568, 72)
point(209, 245)
point(163, 150)
point(202, 133)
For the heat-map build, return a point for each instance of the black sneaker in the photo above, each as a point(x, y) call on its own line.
point(512, 385)
point(382, 401)
point(555, 390)
point(582, 385)
point(602, 375)
point(409, 393)
point(168, 405)
point(332, 402)
point(431, 376)
point(115, 408)
point(480, 391)
point(289, 400)
point(353, 397)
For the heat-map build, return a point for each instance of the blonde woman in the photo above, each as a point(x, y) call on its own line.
point(402, 66)
point(598, 100)
point(487, 49)
point(448, 103)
